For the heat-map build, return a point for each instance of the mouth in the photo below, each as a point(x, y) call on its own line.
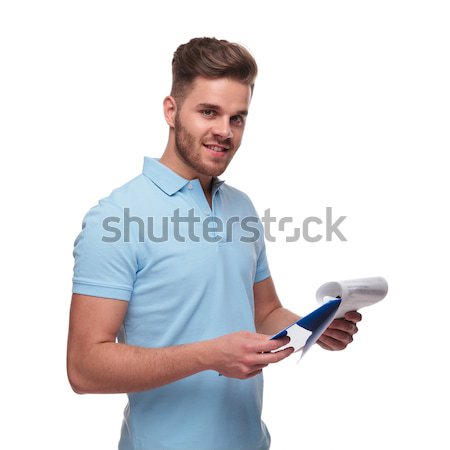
point(217, 149)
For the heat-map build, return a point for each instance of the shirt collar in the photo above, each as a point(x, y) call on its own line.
point(166, 179)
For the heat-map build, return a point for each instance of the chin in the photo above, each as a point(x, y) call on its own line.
point(215, 170)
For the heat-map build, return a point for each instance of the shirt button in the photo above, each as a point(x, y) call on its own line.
point(190, 186)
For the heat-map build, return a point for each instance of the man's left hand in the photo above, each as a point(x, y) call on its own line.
point(340, 332)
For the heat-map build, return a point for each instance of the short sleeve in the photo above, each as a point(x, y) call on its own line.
point(262, 265)
point(105, 262)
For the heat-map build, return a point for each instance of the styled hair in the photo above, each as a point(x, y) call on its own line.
point(210, 58)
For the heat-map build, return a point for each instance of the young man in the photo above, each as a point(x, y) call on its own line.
point(169, 265)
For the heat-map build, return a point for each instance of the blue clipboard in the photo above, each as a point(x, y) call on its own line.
point(316, 322)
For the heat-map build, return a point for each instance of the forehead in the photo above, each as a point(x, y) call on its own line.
point(227, 93)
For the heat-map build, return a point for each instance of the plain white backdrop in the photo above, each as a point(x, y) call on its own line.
point(350, 110)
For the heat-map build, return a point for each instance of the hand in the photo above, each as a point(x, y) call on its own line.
point(340, 332)
point(243, 354)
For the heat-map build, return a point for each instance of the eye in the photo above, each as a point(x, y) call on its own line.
point(237, 120)
point(208, 113)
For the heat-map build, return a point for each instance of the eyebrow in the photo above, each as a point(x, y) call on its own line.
point(244, 112)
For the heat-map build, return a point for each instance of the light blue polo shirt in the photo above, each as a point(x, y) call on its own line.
point(187, 271)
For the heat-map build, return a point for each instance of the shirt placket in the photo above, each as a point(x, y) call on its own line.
point(209, 214)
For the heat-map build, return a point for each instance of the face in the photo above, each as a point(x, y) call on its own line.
point(209, 125)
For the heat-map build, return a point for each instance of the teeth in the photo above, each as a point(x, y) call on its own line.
point(216, 149)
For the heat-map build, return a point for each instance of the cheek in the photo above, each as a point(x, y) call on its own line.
point(201, 129)
point(194, 124)
point(238, 134)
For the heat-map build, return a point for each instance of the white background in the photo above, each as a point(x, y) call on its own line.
point(351, 110)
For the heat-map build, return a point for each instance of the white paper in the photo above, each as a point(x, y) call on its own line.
point(355, 294)
point(298, 336)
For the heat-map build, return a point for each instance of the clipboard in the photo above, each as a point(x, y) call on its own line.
point(305, 332)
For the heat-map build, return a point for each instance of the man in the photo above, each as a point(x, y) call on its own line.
point(169, 265)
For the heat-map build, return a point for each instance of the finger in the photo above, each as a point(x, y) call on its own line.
point(343, 325)
point(339, 335)
point(269, 345)
point(255, 370)
point(330, 343)
point(323, 345)
point(353, 316)
point(281, 342)
point(252, 374)
point(274, 357)
point(259, 367)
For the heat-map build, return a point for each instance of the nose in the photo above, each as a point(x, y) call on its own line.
point(223, 129)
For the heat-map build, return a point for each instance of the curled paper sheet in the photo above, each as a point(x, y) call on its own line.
point(355, 294)
point(336, 298)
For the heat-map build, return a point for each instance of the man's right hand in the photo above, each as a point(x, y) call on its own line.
point(244, 354)
point(96, 363)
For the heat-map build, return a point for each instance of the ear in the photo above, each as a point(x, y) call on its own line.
point(170, 110)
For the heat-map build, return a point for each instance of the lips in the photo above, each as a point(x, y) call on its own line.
point(216, 148)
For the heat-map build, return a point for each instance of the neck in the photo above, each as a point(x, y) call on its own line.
point(171, 160)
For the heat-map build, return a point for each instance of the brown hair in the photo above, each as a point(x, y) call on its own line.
point(210, 58)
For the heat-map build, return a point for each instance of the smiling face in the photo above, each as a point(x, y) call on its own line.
point(207, 128)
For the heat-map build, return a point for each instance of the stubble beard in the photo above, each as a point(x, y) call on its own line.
point(185, 148)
